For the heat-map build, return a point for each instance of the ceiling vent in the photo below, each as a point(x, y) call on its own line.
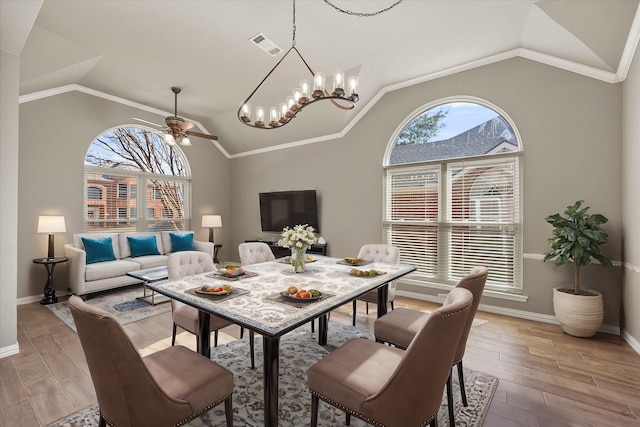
point(265, 44)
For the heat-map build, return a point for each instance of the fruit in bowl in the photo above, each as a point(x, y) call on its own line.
point(231, 272)
point(354, 261)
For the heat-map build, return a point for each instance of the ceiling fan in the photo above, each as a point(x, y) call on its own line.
point(177, 129)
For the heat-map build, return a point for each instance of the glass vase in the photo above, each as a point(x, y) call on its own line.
point(298, 258)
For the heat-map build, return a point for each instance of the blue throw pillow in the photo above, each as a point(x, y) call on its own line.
point(182, 242)
point(98, 250)
point(141, 246)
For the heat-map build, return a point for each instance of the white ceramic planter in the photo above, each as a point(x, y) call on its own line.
point(579, 315)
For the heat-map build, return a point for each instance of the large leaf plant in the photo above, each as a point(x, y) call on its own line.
point(577, 237)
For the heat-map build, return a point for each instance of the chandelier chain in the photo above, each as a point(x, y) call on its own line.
point(361, 14)
point(293, 40)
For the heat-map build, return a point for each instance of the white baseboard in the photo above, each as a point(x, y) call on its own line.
point(9, 350)
point(36, 298)
point(521, 314)
point(632, 341)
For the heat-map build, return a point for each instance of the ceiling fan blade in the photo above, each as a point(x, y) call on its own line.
point(148, 122)
point(202, 135)
point(185, 125)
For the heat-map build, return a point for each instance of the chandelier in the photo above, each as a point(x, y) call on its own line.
point(344, 94)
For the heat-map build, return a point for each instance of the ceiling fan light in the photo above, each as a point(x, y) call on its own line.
point(185, 142)
point(169, 139)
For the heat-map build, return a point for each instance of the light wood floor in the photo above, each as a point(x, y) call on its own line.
point(547, 378)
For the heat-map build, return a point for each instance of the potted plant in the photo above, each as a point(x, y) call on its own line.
point(577, 237)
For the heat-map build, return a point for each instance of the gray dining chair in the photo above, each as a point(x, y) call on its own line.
point(254, 252)
point(386, 386)
point(383, 253)
point(188, 263)
point(169, 387)
point(400, 326)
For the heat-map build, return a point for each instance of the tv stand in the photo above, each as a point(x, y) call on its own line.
point(280, 252)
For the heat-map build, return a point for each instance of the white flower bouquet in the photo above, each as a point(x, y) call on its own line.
point(299, 237)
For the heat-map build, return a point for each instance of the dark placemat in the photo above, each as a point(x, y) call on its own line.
point(343, 262)
point(281, 299)
point(236, 292)
point(216, 275)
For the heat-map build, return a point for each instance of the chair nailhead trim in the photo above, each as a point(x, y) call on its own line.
point(358, 415)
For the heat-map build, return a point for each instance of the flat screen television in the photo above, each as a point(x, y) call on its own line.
point(282, 209)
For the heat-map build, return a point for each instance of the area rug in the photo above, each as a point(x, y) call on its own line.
point(121, 303)
point(299, 350)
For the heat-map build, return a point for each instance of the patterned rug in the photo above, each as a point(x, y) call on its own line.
point(121, 303)
point(299, 350)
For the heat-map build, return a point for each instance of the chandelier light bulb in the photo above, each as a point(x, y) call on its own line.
point(353, 85)
point(273, 116)
point(245, 113)
point(283, 112)
point(338, 83)
point(318, 85)
point(304, 92)
point(260, 116)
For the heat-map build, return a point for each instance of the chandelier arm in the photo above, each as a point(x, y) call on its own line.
point(267, 76)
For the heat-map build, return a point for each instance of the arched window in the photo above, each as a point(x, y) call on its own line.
point(123, 160)
point(453, 194)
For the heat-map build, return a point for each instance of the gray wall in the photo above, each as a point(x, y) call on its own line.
point(631, 205)
point(571, 131)
point(55, 133)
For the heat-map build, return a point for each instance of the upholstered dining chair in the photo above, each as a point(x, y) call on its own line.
point(254, 252)
point(383, 253)
point(188, 263)
point(401, 326)
point(166, 388)
point(386, 386)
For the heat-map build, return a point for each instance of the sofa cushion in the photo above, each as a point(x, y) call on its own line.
point(98, 250)
point(78, 243)
point(141, 246)
point(182, 242)
point(109, 269)
point(125, 247)
point(150, 261)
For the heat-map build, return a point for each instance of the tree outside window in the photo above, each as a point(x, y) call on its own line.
point(123, 159)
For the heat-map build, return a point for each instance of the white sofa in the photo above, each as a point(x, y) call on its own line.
point(88, 278)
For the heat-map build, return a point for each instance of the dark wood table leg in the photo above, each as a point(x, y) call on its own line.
point(382, 299)
point(271, 349)
point(323, 325)
point(49, 291)
point(204, 335)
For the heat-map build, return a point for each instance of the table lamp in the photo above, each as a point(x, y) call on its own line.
point(210, 222)
point(51, 225)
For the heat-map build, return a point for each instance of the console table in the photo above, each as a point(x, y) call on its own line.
point(280, 252)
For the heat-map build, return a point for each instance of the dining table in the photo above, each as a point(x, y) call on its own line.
point(259, 301)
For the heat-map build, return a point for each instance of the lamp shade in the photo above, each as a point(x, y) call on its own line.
point(51, 224)
point(210, 221)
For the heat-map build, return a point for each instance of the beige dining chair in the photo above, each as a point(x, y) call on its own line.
point(400, 326)
point(386, 386)
point(382, 253)
point(188, 263)
point(255, 252)
point(167, 388)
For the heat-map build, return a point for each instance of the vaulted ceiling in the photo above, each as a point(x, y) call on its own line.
point(137, 50)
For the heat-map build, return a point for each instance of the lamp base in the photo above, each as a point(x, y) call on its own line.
point(51, 254)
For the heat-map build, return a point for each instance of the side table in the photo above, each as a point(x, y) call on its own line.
point(216, 250)
point(49, 290)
